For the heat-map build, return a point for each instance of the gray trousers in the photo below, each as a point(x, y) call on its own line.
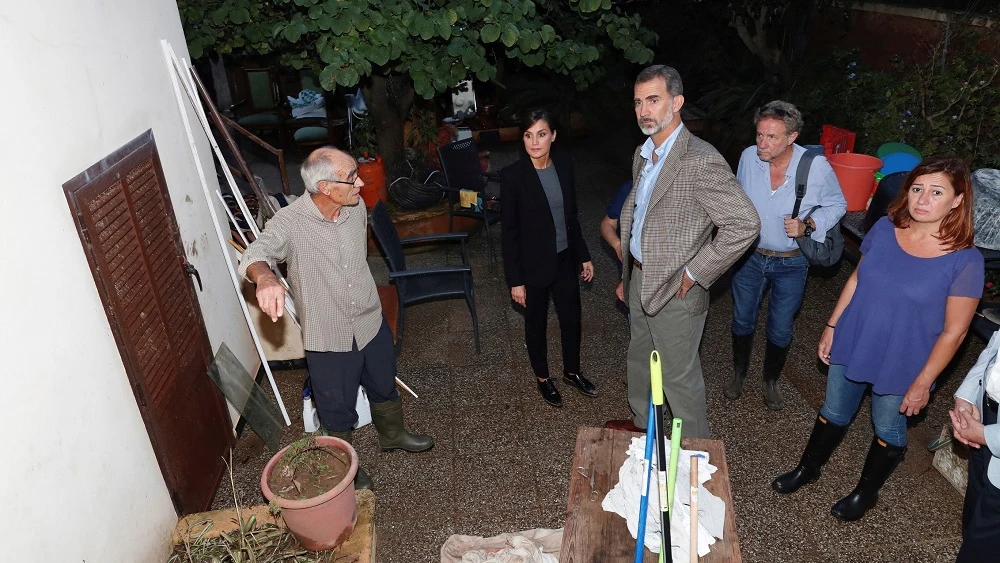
point(675, 333)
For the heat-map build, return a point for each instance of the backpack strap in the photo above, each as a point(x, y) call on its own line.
point(802, 177)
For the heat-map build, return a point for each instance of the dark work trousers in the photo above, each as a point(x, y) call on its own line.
point(335, 378)
point(565, 292)
point(981, 514)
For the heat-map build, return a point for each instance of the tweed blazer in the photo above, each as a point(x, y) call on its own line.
point(695, 192)
point(529, 234)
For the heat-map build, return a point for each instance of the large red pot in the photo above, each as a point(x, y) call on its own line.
point(856, 174)
point(325, 521)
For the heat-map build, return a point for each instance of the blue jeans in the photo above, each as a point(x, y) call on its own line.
point(787, 278)
point(843, 397)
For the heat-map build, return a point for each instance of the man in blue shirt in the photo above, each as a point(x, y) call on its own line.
point(609, 225)
point(767, 174)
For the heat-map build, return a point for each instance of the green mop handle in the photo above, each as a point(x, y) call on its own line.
point(675, 454)
point(656, 387)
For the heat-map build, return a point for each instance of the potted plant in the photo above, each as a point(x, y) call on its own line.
point(312, 481)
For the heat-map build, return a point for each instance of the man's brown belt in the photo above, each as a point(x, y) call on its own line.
point(776, 254)
point(636, 263)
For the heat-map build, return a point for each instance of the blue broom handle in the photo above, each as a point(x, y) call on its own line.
point(640, 538)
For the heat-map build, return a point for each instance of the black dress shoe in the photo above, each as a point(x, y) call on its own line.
point(549, 392)
point(581, 382)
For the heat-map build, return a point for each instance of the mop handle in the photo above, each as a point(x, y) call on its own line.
point(656, 389)
point(647, 466)
point(693, 549)
point(675, 454)
point(656, 379)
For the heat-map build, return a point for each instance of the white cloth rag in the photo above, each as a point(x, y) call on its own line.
point(625, 496)
point(530, 546)
point(307, 104)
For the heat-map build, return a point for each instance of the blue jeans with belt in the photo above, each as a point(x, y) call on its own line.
point(787, 280)
point(843, 397)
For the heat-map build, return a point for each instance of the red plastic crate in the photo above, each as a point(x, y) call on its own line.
point(836, 140)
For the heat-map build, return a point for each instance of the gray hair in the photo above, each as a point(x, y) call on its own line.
point(669, 74)
point(318, 166)
point(782, 111)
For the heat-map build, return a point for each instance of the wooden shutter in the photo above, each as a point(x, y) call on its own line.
point(126, 223)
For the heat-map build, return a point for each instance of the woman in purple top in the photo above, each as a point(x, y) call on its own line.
point(901, 316)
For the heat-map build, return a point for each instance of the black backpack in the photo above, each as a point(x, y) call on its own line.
point(826, 253)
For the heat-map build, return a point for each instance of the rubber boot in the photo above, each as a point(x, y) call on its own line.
point(742, 345)
point(774, 361)
point(361, 479)
point(824, 439)
point(392, 435)
point(882, 460)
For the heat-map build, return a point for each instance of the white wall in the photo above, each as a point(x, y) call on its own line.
point(78, 477)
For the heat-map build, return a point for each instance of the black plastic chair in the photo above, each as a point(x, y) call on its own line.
point(886, 192)
point(423, 284)
point(462, 171)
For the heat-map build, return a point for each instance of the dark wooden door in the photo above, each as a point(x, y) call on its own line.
point(129, 232)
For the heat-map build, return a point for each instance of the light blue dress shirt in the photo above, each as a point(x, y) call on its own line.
point(822, 189)
point(647, 179)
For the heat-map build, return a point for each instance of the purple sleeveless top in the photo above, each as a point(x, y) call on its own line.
point(886, 333)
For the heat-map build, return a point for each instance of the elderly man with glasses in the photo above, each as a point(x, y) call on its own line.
point(322, 239)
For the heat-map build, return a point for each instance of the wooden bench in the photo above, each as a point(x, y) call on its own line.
point(592, 534)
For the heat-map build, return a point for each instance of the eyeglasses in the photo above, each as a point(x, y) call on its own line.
point(352, 178)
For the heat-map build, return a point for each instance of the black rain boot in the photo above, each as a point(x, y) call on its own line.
point(824, 439)
point(392, 435)
point(742, 345)
point(774, 361)
point(882, 460)
point(361, 479)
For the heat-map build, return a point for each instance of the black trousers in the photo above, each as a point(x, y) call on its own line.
point(565, 292)
point(981, 513)
point(335, 378)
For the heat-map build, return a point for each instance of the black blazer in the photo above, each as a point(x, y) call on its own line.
point(529, 234)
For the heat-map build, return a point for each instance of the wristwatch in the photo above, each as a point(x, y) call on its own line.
point(809, 230)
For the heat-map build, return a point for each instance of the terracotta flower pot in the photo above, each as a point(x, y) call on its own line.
point(324, 521)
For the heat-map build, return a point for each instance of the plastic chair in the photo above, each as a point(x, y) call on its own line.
point(857, 224)
point(259, 107)
point(836, 140)
point(462, 171)
point(423, 284)
point(886, 192)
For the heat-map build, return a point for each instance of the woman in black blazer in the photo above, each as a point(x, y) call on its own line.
point(544, 251)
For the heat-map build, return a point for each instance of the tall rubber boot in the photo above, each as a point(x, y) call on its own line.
point(882, 460)
point(392, 435)
point(824, 439)
point(774, 361)
point(742, 345)
point(361, 479)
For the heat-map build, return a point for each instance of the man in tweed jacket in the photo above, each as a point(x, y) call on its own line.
point(684, 190)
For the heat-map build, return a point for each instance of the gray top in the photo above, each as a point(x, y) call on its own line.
point(553, 193)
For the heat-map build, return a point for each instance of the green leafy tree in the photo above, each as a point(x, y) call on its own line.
point(398, 49)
